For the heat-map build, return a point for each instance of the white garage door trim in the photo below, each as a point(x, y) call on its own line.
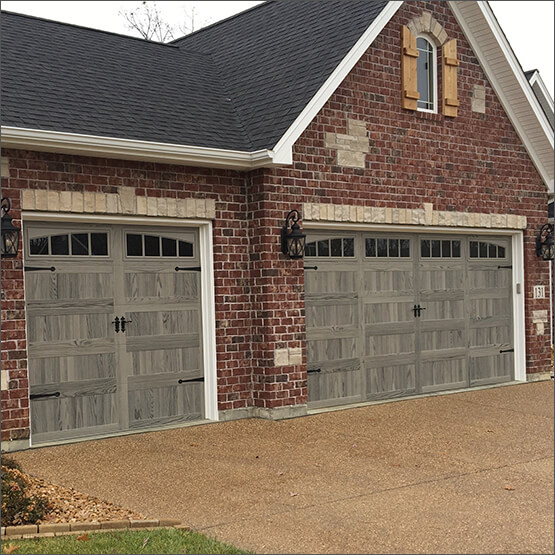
point(207, 283)
point(519, 333)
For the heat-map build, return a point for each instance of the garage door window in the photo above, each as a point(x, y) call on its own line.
point(383, 247)
point(156, 246)
point(70, 244)
point(334, 247)
point(435, 248)
point(481, 249)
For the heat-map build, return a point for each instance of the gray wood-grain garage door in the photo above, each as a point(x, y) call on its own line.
point(114, 329)
point(390, 315)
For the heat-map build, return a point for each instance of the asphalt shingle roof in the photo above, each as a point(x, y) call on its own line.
point(238, 84)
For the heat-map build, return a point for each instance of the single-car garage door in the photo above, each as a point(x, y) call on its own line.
point(114, 329)
point(390, 315)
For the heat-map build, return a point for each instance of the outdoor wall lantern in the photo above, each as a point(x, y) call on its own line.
point(544, 242)
point(292, 237)
point(10, 233)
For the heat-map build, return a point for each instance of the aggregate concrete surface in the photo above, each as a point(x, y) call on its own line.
point(470, 472)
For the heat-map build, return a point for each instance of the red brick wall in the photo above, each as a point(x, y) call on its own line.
point(474, 163)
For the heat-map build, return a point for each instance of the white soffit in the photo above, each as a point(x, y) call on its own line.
point(509, 82)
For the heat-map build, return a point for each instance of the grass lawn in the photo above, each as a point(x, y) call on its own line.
point(160, 541)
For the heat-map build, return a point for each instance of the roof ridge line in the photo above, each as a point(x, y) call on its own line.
point(184, 37)
point(131, 37)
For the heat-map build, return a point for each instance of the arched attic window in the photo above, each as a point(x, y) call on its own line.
point(426, 69)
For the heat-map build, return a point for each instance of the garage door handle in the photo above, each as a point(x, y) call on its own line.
point(39, 269)
point(183, 269)
point(314, 371)
point(191, 380)
point(506, 350)
point(42, 395)
point(311, 267)
point(123, 321)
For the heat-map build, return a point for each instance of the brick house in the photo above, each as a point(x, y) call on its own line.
point(152, 182)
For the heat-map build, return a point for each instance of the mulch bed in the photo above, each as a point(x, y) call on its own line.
point(69, 505)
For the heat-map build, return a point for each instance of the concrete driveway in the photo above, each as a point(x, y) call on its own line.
point(470, 472)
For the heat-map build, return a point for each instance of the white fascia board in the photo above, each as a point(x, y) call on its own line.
point(284, 148)
point(126, 149)
point(516, 76)
point(537, 81)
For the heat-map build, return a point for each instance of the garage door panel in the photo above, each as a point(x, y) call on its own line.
point(74, 413)
point(68, 285)
point(167, 360)
point(390, 343)
point(156, 286)
point(434, 339)
point(331, 348)
point(388, 281)
point(491, 368)
point(436, 375)
point(335, 385)
point(172, 403)
point(440, 279)
point(68, 327)
point(388, 312)
point(339, 312)
point(497, 335)
point(70, 306)
point(71, 368)
point(390, 381)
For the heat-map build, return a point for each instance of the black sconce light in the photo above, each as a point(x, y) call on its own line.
point(544, 242)
point(292, 237)
point(10, 233)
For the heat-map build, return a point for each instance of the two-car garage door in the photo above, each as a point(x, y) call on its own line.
point(113, 327)
point(395, 314)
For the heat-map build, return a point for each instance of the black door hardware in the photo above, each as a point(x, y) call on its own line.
point(39, 269)
point(191, 380)
point(506, 350)
point(311, 267)
point(499, 267)
point(417, 309)
point(314, 371)
point(42, 395)
point(123, 321)
point(115, 321)
point(183, 269)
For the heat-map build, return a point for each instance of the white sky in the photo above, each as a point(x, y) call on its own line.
point(527, 24)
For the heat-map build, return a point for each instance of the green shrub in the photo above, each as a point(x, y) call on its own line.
point(18, 506)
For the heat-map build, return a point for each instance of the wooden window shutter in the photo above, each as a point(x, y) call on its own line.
point(449, 66)
point(408, 70)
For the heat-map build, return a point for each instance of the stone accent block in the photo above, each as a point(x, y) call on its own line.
point(478, 99)
point(295, 356)
point(114, 524)
point(124, 202)
point(41, 200)
point(281, 357)
point(5, 163)
point(20, 530)
point(426, 23)
point(76, 202)
point(351, 148)
point(54, 528)
point(28, 199)
point(417, 216)
point(5, 379)
point(3, 533)
point(142, 523)
point(84, 526)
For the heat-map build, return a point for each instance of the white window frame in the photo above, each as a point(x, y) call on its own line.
point(430, 41)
